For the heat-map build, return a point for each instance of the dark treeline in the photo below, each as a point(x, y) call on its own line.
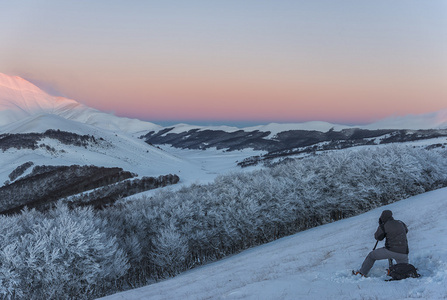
point(82, 253)
point(336, 140)
point(19, 171)
point(46, 184)
point(31, 140)
point(107, 195)
point(291, 141)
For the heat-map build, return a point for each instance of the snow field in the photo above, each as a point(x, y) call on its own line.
point(120, 150)
point(316, 263)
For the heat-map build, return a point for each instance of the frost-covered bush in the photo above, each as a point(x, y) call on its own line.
point(64, 254)
point(169, 250)
point(83, 253)
point(174, 231)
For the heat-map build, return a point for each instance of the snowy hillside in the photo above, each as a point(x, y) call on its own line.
point(41, 131)
point(316, 264)
point(116, 149)
point(24, 108)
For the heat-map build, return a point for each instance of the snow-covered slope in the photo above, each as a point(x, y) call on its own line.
point(434, 120)
point(316, 264)
point(114, 149)
point(24, 108)
point(274, 128)
point(20, 99)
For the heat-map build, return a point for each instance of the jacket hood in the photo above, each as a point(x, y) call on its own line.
point(386, 216)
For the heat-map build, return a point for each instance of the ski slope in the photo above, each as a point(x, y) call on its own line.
point(317, 263)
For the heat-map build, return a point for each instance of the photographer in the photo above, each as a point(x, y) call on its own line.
point(396, 244)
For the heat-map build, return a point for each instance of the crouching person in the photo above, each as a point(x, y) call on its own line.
point(396, 244)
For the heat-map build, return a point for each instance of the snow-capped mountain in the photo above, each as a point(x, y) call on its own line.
point(433, 120)
point(24, 109)
point(28, 115)
point(20, 99)
point(38, 130)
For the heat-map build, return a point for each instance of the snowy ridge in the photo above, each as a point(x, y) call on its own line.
point(118, 149)
point(20, 99)
point(316, 264)
point(434, 120)
point(276, 128)
point(182, 127)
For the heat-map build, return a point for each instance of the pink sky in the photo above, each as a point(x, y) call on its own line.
point(349, 62)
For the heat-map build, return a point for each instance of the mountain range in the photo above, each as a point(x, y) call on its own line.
point(20, 99)
point(44, 137)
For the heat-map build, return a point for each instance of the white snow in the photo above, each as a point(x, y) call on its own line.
point(20, 99)
point(32, 110)
point(276, 128)
point(179, 128)
point(435, 120)
point(117, 149)
point(317, 263)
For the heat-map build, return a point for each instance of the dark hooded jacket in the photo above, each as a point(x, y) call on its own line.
point(395, 232)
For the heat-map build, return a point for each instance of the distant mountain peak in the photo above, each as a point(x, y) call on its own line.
point(20, 99)
point(17, 83)
point(433, 120)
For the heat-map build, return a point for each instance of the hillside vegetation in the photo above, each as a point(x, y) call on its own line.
point(62, 253)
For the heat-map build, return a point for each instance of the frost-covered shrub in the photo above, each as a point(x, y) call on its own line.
point(174, 231)
point(84, 253)
point(60, 255)
point(169, 250)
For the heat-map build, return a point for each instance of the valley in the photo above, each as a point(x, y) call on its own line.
point(153, 201)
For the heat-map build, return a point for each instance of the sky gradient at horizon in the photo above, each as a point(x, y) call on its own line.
point(350, 62)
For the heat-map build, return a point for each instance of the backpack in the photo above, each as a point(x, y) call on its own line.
point(402, 271)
